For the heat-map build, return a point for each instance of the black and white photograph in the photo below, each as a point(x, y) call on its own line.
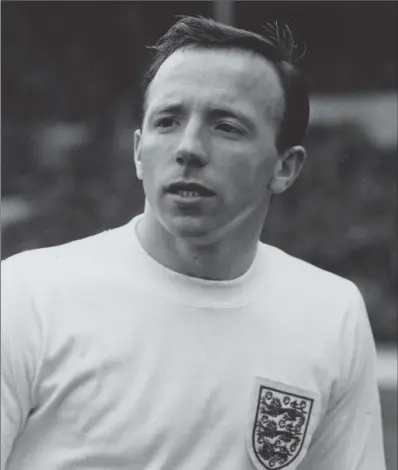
point(199, 235)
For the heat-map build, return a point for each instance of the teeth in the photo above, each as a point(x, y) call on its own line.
point(188, 193)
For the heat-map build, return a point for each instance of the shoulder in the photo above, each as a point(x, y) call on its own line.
point(73, 260)
point(319, 295)
point(304, 275)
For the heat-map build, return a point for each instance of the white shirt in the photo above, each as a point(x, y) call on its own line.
point(110, 361)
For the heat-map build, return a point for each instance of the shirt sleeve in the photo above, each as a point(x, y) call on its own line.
point(350, 435)
point(20, 343)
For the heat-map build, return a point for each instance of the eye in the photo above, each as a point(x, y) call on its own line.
point(166, 122)
point(228, 128)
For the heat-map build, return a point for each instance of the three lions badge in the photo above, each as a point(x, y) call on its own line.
point(282, 421)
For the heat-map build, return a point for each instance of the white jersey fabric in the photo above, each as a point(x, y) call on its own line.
point(110, 361)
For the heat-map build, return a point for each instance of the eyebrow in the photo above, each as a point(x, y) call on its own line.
point(170, 108)
point(215, 113)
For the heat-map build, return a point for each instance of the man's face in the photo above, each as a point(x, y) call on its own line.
point(206, 152)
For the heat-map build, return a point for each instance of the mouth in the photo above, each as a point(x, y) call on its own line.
point(189, 190)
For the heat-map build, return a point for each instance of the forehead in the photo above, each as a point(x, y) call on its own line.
point(202, 76)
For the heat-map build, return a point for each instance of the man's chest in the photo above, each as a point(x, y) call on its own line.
point(170, 383)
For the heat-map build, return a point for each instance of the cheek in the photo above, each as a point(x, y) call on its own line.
point(152, 158)
point(157, 150)
point(155, 166)
point(149, 170)
point(250, 173)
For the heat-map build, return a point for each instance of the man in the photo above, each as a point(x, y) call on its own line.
point(179, 341)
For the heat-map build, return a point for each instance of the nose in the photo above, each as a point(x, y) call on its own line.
point(191, 150)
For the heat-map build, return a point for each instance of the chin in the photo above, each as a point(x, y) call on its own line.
point(193, 229)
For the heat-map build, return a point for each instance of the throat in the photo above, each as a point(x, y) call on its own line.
point(220, 261)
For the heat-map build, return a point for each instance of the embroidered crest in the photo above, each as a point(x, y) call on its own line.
point(280, 426)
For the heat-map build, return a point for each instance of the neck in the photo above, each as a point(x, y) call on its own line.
point(224, 259)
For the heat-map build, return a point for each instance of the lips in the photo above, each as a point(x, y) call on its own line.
point(189, 189)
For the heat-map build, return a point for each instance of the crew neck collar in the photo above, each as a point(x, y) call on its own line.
point(192, 290)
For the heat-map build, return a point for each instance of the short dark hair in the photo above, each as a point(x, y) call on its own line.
point(276, 45)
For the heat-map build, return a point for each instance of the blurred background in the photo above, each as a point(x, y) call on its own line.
point(71, 75)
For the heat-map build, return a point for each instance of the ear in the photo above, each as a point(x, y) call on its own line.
point(287, 168)
point(137, 154)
